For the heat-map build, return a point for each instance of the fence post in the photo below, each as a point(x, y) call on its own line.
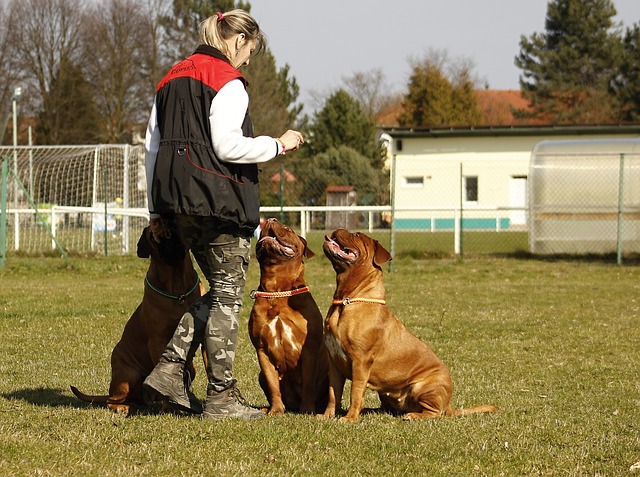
point(620, 209)
point(106, 232)
point(282, 192)
point(303, 224)
point(457, 233)
point(3, 211)
point(124, 224)
point(392, 194)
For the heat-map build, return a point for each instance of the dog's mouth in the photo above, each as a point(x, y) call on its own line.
point(333, 247)
point(270, 243)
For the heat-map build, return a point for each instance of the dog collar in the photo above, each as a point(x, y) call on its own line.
point(348, 301)
point(283, 294)
point(180, 298)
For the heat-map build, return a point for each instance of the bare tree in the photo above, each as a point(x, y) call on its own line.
point(9, 73)
point(114, 43)
point(48, 34)
point(155, 56)
point(370, 89)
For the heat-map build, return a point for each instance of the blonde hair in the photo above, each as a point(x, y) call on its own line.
point(222, 26)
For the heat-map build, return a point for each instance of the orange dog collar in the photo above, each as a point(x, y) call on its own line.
point(283, 294)
point(348, 301)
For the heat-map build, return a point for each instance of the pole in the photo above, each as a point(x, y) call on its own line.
point(106, 234)
point(30, 163)
point(620, 209)
point(282, 192)
point(458, 231)
point(392, 194)
point(3, 211)
point(16, 229)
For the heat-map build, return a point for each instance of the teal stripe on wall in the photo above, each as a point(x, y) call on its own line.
point(448, 224)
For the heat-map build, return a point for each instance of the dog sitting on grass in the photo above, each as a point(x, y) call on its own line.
point(171, 285)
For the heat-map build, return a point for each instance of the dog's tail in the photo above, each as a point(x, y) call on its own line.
point(470, 410)
point(87, 398)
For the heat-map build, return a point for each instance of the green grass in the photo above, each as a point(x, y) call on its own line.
point(554, 344)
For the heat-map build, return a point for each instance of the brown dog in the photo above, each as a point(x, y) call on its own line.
point(368, 344)
point(285, 325)
point(171, 286)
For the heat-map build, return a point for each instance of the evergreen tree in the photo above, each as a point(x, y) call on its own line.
point(183, 24)
point(70, 114)
point(340, 165)
point(342, 122)
point(569, 70)
point(433, 100)
point(628, 85)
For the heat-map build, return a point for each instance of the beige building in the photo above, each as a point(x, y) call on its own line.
point(481, 171)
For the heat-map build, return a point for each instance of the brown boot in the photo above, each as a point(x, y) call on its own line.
point(228, 403)
point(169, 382)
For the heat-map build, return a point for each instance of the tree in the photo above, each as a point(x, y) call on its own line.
point(342, 122)
point(440, 94)
point(340, 165)
point(370, 89)
point(72, 118)
point(568, 71)
point(628, 84)
point(48, 36)
point(114, 43)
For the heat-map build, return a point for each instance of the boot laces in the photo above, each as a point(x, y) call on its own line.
point(237, 395)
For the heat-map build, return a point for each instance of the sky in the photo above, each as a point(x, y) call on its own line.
point(324, 41)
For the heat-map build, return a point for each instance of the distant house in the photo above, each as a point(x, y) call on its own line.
point(481, 169)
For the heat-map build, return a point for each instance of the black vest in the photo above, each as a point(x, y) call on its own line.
point(188, 177)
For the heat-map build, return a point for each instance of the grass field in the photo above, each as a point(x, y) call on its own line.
point(554, 344)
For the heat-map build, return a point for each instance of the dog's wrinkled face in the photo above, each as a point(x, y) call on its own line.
point(170, 249)
point(345, 249)
point(278, 243)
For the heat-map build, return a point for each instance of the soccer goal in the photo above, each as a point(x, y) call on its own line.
point(91, 198)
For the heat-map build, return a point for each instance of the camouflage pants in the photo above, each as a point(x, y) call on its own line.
point(213, 320)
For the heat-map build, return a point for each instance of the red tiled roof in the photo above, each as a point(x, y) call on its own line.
point(497, 107)
point(339, 188)
point(288, 177)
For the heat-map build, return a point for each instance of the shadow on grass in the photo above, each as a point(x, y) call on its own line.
point(56, 397)
point(49, 397)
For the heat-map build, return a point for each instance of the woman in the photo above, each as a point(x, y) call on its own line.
point(202, 174)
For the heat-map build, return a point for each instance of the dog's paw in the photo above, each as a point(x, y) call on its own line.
point(276, 411)
point(348, 419)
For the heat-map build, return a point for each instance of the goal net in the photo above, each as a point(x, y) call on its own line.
point(90, 198)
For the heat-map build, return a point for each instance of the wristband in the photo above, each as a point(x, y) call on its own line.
point(284, 149)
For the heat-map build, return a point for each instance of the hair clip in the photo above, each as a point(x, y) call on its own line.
point(220, 16)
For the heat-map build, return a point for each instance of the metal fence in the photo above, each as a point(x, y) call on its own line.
point(92, 200)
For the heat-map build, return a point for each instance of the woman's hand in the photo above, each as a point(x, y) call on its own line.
point(291, 140)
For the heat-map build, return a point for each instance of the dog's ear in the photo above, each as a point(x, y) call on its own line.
point(143, 244)
point(381, 256)
point(307, 253)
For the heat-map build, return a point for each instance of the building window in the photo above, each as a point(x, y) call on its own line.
point(470, 188)
point(415, 182)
